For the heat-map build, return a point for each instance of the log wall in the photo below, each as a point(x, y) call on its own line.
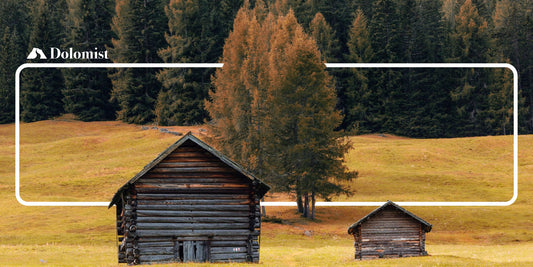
point(190, 207)
point(390, 233)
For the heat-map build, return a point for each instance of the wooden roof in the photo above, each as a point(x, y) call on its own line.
point(262, 188)
point(426, 225)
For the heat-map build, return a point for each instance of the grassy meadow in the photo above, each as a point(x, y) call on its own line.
point(67, 160)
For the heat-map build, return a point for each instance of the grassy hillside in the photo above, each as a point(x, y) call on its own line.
point(77, 161)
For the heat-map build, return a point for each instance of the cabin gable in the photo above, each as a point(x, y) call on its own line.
point(389, 231)
point(189, 204)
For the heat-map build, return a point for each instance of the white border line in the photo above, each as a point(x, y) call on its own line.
point(328, 65)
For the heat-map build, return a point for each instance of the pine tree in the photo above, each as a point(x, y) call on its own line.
point(422, 37)
point(385, 36)
point(500, 102)
point(471, 38)
point(15, 15)
point(11, 53)
point(358, 95)
point(14, 19)
point(303, 117)
point(325, 38)
point(197, 33)
point(236, 105)
point(41, 96)
point(140, 26)
point(87, 91)
point(273, 107)
point(513, 33)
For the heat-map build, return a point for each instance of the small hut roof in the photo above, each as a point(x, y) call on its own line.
point(262, 188)
point(426, 225)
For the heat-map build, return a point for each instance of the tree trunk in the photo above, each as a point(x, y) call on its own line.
point(313, 200)
point(299, 203)
point(306, 214)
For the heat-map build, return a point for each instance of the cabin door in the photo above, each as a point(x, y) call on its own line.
point(194, 251)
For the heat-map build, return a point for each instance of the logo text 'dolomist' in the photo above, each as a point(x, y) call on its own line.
point(56, 53)
point(70, 53)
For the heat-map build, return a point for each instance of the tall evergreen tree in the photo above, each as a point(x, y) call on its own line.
point(422, 38)
point(385, 36)
point(357, 98)
point(303, 118)
point(197, 33)
point(513, 34)
point(237, 108)
point(87, 91)
point(41, 96)
point(500, 102)
point(325, 38)
point(140, 26)
point(15, 16)
point(472, 45)
point(14, 19)
point(11, 56)
point(273, 107)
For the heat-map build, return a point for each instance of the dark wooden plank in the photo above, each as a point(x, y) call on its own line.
point(232, 249)
point(154, 239)
point(242, 219)
point(188, 196)
point(211, 190)
point(184, 233)
point(154, 244)
point(201, 251)
point(235, 243)
point(172, 179)
point(389, 240)
point(185, 148)
point(193, 169)
point(399, 222)
point(195, 202)
point(164, 213)
point(156, 258)
point(228, 256)
point(190, 164)
point(183, 175)
point(192, 154)
point(191, 226)
point(161, 250)
point(147, 184)
point(188, 251)
point(220, 207)
point(389, 232)
point(190, 159)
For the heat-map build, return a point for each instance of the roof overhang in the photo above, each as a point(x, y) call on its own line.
point(425, 225)
point(261, 187)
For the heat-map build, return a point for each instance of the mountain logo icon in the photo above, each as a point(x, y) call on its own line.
point(36, 52)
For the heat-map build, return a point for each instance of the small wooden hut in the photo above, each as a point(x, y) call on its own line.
point(390, 231)
point(190, 203)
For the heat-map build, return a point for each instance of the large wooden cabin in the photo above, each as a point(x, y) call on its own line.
point(390, 231)
point(191, 203)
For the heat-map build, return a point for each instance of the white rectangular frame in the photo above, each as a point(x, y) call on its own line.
point(270, 204)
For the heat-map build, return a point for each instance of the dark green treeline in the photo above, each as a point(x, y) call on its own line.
point(408, 102)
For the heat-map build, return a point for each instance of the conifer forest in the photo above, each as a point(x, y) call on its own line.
point(274, 93)
point(407, 102)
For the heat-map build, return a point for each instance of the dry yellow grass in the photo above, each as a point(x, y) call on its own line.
point(77, 161)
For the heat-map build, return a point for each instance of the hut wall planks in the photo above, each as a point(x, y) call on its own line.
point(389, 232)
point(189, 207)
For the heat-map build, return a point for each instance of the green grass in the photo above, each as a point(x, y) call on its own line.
point(77, 161)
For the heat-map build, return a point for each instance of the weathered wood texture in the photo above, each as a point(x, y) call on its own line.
point(190, 207)
point(389, 233)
